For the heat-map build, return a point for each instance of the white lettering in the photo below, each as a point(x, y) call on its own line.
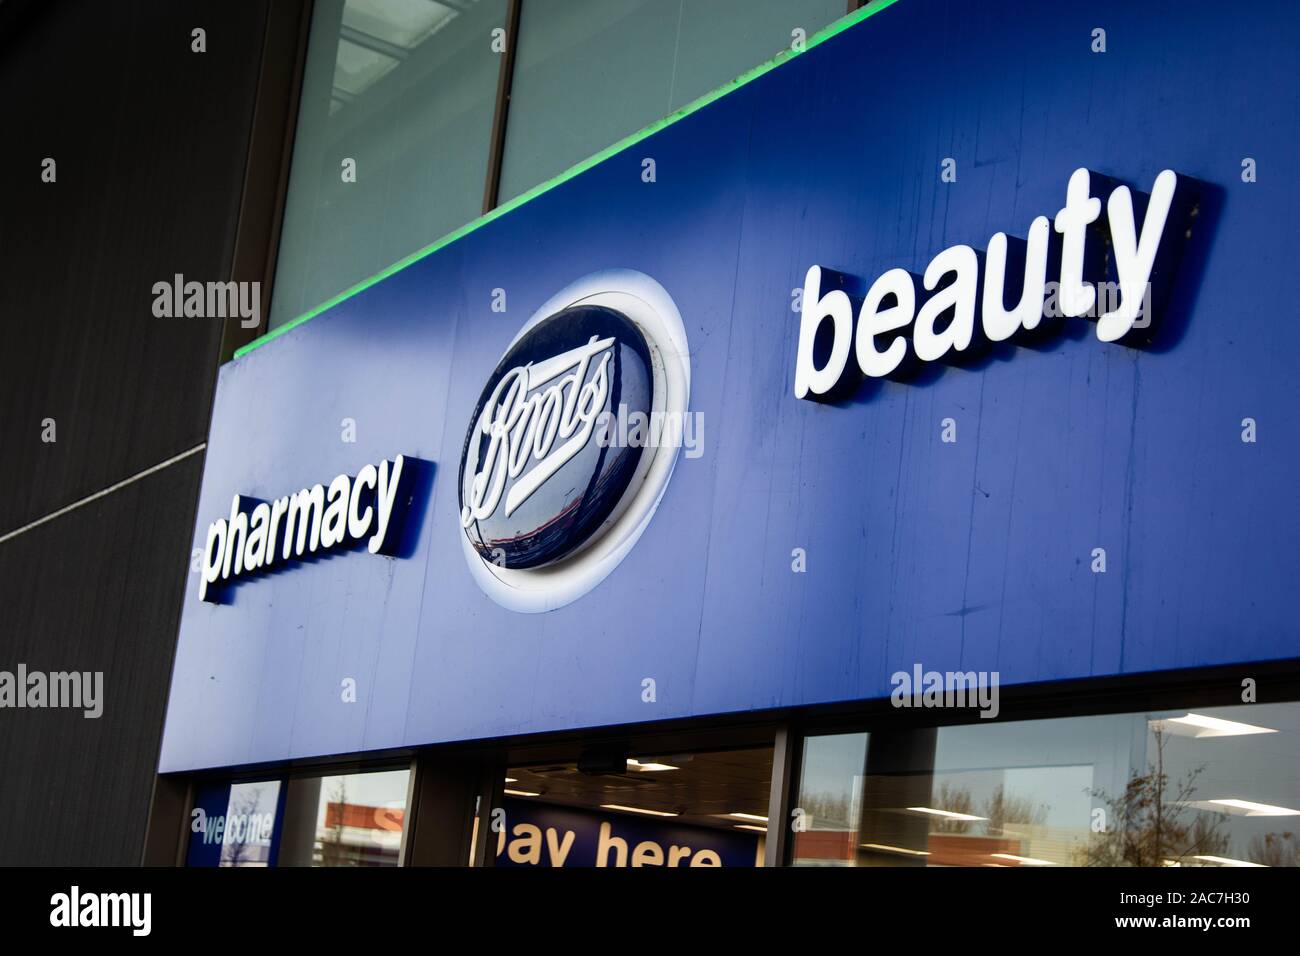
point(1074, 296)
point(313, 519)
point(522, 427)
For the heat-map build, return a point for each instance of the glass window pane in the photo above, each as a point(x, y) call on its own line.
point(589, 72)
point(407, 90)
point(1226, 781)
point(658, 810)
point(355, 819)
point(234, 824)
point(830, 800)
point(1217, 786)
point(1021, 794)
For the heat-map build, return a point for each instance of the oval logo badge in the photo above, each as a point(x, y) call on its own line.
point(552, 492)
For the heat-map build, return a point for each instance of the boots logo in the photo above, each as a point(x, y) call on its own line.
point(521, 425)
point(548, 505)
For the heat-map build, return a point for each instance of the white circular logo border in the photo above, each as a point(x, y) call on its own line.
point(649, 306)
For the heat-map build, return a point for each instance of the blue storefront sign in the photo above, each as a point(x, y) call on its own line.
point(1108, 491)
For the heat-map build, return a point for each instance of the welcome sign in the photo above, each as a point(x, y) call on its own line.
point(974, 443)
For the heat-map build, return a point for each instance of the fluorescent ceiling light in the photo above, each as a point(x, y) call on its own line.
point(894, 849)
point(1248, 808)
point(946, 814)
point(750, 826)
point(1225, 861)
point(512, 780)
point(652, 813)
point(647, 767)
point(521, 793)
point(748, 816)
point(1200, 725)
point(1022, 860)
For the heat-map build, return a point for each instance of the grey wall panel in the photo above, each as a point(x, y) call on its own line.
point(97, 589)
point(150, 141)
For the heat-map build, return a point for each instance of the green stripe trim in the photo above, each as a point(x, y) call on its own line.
point(821, 36)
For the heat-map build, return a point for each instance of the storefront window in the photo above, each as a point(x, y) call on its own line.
point(1198, 787)
point(399, 100)
point(589, 72)
point(391, 149)
point(830, 800)
point(354, 819)
point(235, 825)
point(692, 810)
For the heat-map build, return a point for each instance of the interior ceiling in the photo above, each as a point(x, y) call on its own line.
point(703, 789)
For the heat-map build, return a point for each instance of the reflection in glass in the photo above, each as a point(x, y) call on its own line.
point(406, 91)
point(249, 824)
point(347, 820)
point(1208, 787)
point(830, 800)
point(589, 72)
